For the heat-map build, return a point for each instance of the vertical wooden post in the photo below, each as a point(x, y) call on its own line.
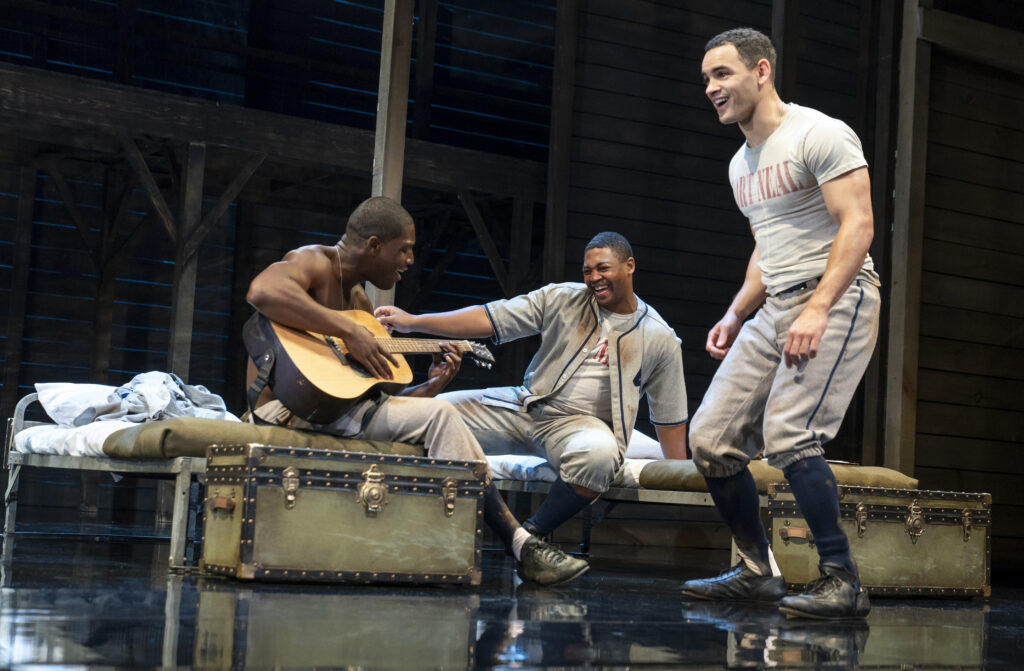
point(560, 141)
point(519, 270)
point(392, 106)
point(785, 36)
point(908, 231)
point(883, 27)
point(116, 198)
point(19, 290)
point(185, 264)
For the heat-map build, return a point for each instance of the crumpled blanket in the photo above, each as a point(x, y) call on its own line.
point(156, 395)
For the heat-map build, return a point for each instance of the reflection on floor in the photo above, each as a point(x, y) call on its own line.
point(113, 603)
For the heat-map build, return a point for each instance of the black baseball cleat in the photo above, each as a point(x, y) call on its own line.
point(738, 583)
point(546, 564)
point(836, 595)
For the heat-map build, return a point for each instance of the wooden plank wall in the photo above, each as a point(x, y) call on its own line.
point(970, 409)
point(489, 89)
point(650, 159)
point(60, 304)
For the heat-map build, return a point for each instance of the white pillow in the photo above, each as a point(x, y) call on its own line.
point(63, 401)
point(642, 446)
point(81, 441)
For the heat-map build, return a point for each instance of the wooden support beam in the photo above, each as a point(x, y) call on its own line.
point(520, 243)
point(426, 45)
point(885, 22)
point(55, 99)
point(392, 103)
point(974, 40)
point(185, 267)
point(486, 242)
point(68, 198)
point(786, 37)
point(908, 225)
point(102, 323)
point(519, 261)
point(117, 200)
point(211, 218)
point(866, 34)
point(392, 99)
point(560, 140)
point(149, 185)
point(15, 327)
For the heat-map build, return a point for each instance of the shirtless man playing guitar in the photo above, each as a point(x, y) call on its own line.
point(308, 289)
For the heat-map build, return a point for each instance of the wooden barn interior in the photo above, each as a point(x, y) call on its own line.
point(156, 155)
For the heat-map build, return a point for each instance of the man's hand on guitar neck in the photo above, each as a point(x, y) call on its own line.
point(443, 370)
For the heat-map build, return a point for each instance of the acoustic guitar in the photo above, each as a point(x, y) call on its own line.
point(316, 378)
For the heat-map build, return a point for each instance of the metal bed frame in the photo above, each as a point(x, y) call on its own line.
point(183, 470)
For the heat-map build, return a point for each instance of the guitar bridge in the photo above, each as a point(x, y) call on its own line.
point(332, 342)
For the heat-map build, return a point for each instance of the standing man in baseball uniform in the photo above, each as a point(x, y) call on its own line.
point(789, 373)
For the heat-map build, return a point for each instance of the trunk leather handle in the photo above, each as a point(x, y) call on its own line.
point(789, 533)
point(221, 502)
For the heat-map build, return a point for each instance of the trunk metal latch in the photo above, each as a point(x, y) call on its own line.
point(290, 483)
point(449, 488)
point(967, 522)
point(373, 493)
point(862, 519)
point(915, 522)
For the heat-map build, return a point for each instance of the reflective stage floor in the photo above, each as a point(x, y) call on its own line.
point(82, 603)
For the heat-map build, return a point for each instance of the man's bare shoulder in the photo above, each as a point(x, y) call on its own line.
point(312, 254)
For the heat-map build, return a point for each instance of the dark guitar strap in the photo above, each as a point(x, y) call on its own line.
point(261, 350)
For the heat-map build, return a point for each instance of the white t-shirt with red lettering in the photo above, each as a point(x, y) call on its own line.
point(777, 187)
point(587, 392)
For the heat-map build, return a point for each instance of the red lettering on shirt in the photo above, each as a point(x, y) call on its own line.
point(601, 352)
point(794, 185)
point(772, 181)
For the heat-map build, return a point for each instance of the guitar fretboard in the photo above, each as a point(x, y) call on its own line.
point(407, 345)
point(416, 345)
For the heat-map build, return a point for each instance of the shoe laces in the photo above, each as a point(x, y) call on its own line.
point(823, 584)
point(738, 566)
point(550, 553)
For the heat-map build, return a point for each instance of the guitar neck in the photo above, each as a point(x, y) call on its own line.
point(419, 346)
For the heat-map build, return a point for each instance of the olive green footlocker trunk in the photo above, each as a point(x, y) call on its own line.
point(288, 513)
point(242, 625)
point(905, 541)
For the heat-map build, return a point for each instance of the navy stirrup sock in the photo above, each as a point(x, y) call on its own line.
point(498, 517)
point(561, 504)
point(814, 487)
point(738, 503)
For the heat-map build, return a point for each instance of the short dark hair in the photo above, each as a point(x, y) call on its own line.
point(613, 241)
point(378, 216)
point(752, 45)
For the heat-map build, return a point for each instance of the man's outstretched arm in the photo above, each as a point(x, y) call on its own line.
point(471, 322)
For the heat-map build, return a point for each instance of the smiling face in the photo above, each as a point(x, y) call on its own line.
point(733, 88)
point(391, 258)
point(610, 279)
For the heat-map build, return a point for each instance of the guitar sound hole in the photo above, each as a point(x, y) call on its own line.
point(356, 366)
